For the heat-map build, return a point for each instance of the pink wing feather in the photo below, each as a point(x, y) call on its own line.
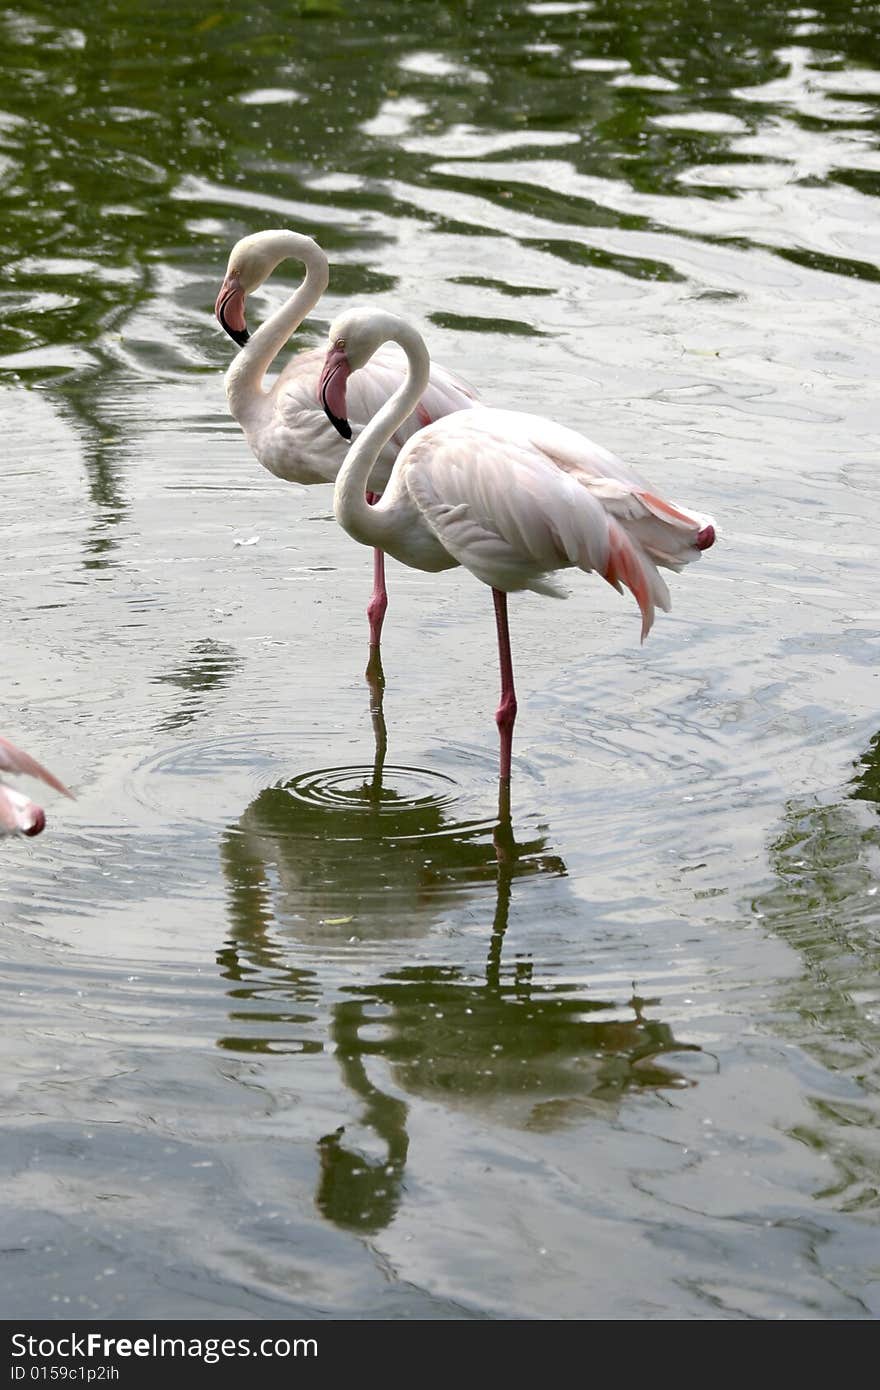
point(514, 497)
point(12, 759)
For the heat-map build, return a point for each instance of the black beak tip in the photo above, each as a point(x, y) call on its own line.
point(341, 426)
point(39, 822)
point(238, 335)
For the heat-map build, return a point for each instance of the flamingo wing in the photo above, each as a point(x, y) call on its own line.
point(671, 535)
point(514, 497)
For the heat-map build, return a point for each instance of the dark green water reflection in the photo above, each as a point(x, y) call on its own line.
point(825, 905)
point(113, 121)
point(126, 136)
point(451, 1039)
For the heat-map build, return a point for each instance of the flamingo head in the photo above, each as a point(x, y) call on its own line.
point(332, 386)
point(229, 308)
point(252, 261)
point(354, 337)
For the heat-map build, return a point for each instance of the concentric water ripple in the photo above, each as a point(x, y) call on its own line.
point(401, 792)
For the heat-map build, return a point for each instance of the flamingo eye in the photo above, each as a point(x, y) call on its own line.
point(340, 343)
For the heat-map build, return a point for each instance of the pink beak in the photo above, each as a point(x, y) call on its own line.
point(332, 389)
point(229, 309)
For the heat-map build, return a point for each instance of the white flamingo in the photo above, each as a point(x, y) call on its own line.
point(512, 497)
point(17, 814)
point(285, 425)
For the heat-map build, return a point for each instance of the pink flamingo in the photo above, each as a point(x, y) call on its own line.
point(285, 425)
point(17, 814)
point(512, 497)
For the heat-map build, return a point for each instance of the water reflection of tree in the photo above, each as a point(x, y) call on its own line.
point(302, 876)
point(826, 905)
point(866, 783)
point(826, 860)
point(117, 108)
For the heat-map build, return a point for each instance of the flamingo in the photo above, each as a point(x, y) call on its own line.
point(284, 425)
point(512, 497)
point(16, 812)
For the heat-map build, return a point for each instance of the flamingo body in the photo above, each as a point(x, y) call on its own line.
point(514, 497)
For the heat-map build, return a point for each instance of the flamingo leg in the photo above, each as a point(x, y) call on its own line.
point(505, 715)
point(506, 854)
point(375, 678)
point(379, 598)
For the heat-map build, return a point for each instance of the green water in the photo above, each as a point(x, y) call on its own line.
point(288, 1031)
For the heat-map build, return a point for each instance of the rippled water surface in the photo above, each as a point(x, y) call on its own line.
point(294, 1021)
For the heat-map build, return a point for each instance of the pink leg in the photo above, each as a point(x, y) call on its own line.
point(379, 597)
point(505, 714)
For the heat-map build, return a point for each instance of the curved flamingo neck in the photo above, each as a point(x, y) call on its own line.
point(371, 524)
point(244, 379)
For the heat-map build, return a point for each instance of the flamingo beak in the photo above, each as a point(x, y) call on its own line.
point(229, 309)
point(332, 389)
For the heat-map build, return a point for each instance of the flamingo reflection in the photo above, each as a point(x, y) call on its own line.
point(532, 1050)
